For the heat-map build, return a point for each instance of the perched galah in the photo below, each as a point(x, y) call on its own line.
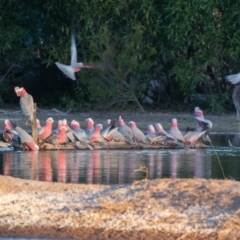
point(89, 126)
point(159, 129)
point(95, 135)
point(164, 138)
point(151, 132)
point(195, 110)
point(82, 140)
point(59, 138)
point(25, 138)
point(175, 132)
point(69, 70)
point(192, 136)
point(79, 133)
point(203, 124)
point(125, 131)
point(138, 135)
point(26, 104)
point(8, 133)
point(46, 130)
point(110, 132)
point(69, 133)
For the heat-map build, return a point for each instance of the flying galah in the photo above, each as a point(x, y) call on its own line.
point(69, 70)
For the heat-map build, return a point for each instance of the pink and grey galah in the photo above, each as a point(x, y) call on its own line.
point(138, 135)
point(89, 126)
point(110, 132)
point(25, 138)
point(125, 131)
point(175, 132)
point(26, 104)
point(78, 132)
point(46, 130)
point(95, 135)
point(59, 138)
point(69, 70)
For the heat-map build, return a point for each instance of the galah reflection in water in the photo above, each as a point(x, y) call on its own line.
point(173, 163)
point(26, 104)
point(199, 166)
point(95, 155)
point(75, 165)
point(121, 170)
point(150, 166)
point(7, 163)
point(62, 168)
point(70, 70)
point(235, 79)
point(47, 172)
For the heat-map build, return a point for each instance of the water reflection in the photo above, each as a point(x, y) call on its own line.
point(119, 166)
point(105, 167)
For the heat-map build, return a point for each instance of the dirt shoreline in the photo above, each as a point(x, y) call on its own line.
point(148, 209)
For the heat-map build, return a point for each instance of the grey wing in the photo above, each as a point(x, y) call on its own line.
point(234, 79)
point(24, 136)
point(81, 135)
point(73, 52)
point(27, 105)
point(205, 123)
point(67, 70)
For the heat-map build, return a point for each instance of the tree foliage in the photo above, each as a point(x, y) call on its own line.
point(193, 44)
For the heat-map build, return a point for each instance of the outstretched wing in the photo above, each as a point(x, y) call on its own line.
point(73, 52)
point(67, 70)
point(234, 79)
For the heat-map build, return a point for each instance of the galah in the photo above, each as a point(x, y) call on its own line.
point(25, 138)
point(26, 104)
point(69, 70)
point(46, 130)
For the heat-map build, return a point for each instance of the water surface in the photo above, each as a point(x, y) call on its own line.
point(126, 166)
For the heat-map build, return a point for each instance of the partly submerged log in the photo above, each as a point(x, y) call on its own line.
point(5, 144)
point(114, 145)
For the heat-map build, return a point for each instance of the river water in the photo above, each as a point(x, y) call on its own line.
point(218, 161)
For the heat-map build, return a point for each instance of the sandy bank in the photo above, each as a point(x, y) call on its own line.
point(156, 209)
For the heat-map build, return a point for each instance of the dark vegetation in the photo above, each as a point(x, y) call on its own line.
point(175, 52)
